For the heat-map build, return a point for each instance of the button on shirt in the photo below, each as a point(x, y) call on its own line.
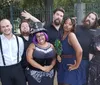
point(10, 49)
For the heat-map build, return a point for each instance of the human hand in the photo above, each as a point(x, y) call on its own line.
point(26, 14)
point(46, 68)
point(72, 66)
point(59, 58)
point(98, 48)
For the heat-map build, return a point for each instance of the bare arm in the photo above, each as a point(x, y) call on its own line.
point(75, 44)
point(29, 16)
point(30, 58)
point(54, 60)
point(32, 62)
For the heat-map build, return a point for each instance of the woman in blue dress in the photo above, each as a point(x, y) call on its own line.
point(69, 64)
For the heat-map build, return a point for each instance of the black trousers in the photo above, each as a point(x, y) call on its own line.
point(12, 75)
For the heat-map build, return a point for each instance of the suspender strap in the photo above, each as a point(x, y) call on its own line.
point(18, 49)
point(2, 53)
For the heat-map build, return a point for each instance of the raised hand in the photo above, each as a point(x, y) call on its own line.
point(26, 14)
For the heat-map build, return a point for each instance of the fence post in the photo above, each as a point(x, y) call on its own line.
point(11, 17)
point(80, 12)
point(48, 11)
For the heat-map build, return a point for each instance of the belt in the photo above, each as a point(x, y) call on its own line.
point(67, 56)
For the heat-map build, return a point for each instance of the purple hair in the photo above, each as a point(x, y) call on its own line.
point(35, 39)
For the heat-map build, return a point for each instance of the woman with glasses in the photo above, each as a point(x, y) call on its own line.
point(41, 57)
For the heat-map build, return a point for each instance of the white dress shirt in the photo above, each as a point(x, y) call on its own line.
point(10, 49)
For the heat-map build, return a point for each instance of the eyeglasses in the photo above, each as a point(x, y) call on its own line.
point(38, 36)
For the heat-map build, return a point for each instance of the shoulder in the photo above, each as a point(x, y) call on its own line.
point(20, 40)
point(48, 26)
point(72, 37)
point(51, 45)
point(71, 34)
point(31, 46)
point(78, 28)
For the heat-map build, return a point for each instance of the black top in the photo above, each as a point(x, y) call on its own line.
point(53, 34)
point(26, 44)
point(84, 36)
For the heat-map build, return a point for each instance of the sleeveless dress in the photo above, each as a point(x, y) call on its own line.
point(44, 57)
point(65, 76)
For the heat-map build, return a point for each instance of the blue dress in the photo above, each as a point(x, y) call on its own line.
point(64, 75)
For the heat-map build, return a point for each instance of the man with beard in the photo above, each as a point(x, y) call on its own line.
point(27, 38)
point(54, 29)
point(85, 33)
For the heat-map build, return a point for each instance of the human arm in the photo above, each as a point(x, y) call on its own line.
point(54, 59)
point(30, 58)
point(78, 50)
point(29, 16)
point(59, 58)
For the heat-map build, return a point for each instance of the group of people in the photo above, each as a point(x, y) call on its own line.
point(33, 57)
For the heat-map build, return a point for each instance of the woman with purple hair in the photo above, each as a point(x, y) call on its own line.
point(41, 57)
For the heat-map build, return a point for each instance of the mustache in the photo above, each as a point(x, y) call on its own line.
point(25, 33)
point(87, 21)
point(57, 19)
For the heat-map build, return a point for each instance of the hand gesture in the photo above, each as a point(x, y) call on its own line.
point(26, 14)
point(46, 68)
point(98, 48)
point(58, 58)
point(72, 66)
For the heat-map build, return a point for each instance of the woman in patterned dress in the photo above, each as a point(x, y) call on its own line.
point(41, 57)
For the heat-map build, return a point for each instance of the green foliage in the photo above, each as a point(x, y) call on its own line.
point(58, 46)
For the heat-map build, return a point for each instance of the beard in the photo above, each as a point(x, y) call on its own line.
point(25, 33)
point(57, 22)
point(87, 24)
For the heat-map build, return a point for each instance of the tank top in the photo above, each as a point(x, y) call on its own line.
point(43, 56)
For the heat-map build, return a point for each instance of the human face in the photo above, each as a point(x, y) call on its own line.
point(40, 37)
point(25, 29)
point(6, 27)
point(90, 20)
point(58, 17)
point(68, 25)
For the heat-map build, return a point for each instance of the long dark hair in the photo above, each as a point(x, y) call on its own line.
point(96, 23)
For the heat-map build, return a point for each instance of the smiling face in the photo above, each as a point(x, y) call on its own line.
point(68, 25)
point(6, 27)
point(25, 29)
point(40, 37)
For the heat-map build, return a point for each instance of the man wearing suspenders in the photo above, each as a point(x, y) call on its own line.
point(11, 50)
